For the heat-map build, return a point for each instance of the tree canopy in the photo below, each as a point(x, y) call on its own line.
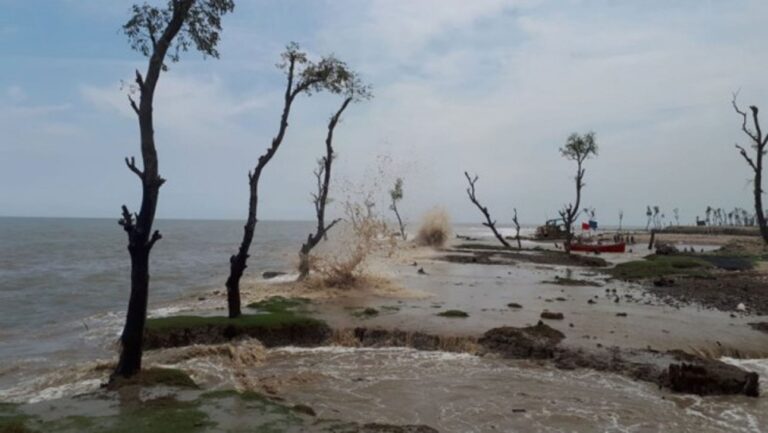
point(201, 26)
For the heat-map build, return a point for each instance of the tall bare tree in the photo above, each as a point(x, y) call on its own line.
point(621, 218)
point(354, 91)
point(759, 142)
point(489, 222)
point(517, 229)
point(577, 148)
point(157, 33)
point(303, 77)
point(396, 194)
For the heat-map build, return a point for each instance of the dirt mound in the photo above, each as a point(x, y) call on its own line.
point(533, 342)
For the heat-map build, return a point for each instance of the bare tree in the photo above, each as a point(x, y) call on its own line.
point(303, 76)
point(756, 164)
point(676, 213)
point(157, 33)
point(517, 229)
point(490, 223)
point(649, 215)
point(577, 148)
point(396, 194)
point(621, 218)
point(355, 91)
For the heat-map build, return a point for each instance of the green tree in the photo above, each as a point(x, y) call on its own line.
point(158, 33)
point(578, 148)
point(303, 76)
point(353, 90)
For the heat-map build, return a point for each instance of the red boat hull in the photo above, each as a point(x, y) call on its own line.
point(596, 248)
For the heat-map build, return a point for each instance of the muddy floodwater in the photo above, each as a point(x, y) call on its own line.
point(464, 393)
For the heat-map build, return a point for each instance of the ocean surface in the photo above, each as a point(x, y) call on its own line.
point(64, 281)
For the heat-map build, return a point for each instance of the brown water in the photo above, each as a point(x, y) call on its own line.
point(464, 393)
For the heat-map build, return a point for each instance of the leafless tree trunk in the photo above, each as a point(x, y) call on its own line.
point(758, 143)
point(400, 224)
point(323, 174)
point(517, 230)
point(571, 211)
point(491, 224)
point(141, 238)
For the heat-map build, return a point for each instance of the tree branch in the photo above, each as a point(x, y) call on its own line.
point(156, 236)
point(131, 163)
point(139, 80)
point(743, 115)
point(127, 220)
point(491, 224)
point(746, 157)
point(133, 105)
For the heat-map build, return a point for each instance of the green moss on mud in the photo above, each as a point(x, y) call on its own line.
point(157, 376)
point(655, 266)
point(268, 320)
point(453, 314)
point(278, 304)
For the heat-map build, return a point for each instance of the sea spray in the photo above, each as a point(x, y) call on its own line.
point(435, 229)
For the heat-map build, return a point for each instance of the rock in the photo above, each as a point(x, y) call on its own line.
point(537, 342)
point(666, 249)
point(621, 314)
point(710, 377)
point(514, 305)
point(663, 282)
point(550, 315)
point(268, 275)
point(421, 271)
point(306, 410)
point(591, 301)
point(760, 326)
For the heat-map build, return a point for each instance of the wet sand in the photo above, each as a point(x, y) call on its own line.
point(483, 291)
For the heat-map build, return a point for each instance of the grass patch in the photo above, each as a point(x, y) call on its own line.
point(14, 426)
point(269, 320)
point(12, 420)
point(279, 304)
point(367, 312)
point(655, 266)
point(453, 313)
point(156, 377)
point(273, 329)
point(160, 415)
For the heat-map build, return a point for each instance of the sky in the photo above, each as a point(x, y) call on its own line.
point(493, 87)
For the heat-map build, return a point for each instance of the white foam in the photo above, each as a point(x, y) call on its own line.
point(287, 278)
point(757, 365)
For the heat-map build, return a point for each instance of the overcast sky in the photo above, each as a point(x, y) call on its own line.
point(489, 86)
